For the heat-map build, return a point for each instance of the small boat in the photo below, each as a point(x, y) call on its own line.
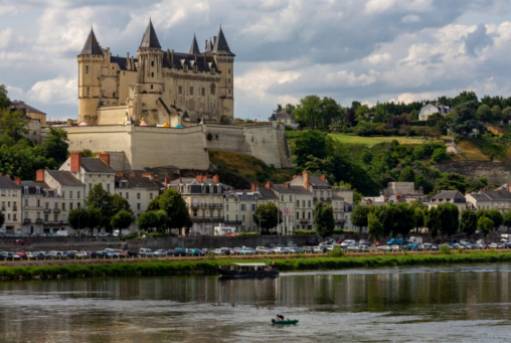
point(284, 321)
point(248, 271)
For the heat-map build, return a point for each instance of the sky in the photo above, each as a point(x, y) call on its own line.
point(366, 50)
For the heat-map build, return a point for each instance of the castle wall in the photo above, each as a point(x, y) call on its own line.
point(113, 115)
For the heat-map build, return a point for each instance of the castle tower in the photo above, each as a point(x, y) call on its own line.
point(224, 59)
point(89, 79)
point(150, 76)
point(194, 48)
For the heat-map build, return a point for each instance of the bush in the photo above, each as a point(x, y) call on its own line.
point(305, 232)
point(248, 234)
point(336, 252)
point(445, 249)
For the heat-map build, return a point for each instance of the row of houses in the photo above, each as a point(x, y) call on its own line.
point(42, 206)
point(498, 199)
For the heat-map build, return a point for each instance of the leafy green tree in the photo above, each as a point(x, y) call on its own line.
point(151, 220)
point(506, 219)
point(324, 219)
point(312, 143)
point(308, 112)
point(433, 221)
point(468, 224)
point(374, 225)
point(55, 146)
point(496, 217)
point(121, 220)
point(485, 225)
point(13, 124)
point(174, 206)
point(4, 99)
point(84, 218)
point(359, 216)
point(449, 218)
point(267, 216)
point(396, 219)
point(484, 113)
point(101, 200)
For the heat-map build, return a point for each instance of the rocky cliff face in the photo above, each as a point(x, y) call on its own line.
point(496, 172)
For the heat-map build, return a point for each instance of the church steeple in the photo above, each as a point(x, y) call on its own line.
point(194, 48)
point(91, 46)
point(150, 40)
point(220, 44)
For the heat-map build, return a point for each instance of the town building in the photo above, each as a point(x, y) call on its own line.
point(204, 197)
point(10, 204)
point(156, 86)
point(448, 197)
point(91, 171)
point(400, 191)
point(285, 118)
point(489, 200)
point(36, 120)
point(428, 110)
point(138, 188)
point(48, 200)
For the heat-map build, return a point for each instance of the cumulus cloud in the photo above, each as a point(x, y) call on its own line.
point(60, 90)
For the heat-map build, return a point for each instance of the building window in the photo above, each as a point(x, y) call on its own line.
point(243, 207)
point(180, 90)
point(138, 196)
point(203, 91)
point(70, 194)
point(213, 89)
point(127, 195)
point(151, 196)
point(63, 206)
point(191, 90)
point(71, 206)
point(108, 187)
point(138, 206)
point(78, 195)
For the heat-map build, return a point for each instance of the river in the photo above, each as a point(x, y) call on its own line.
point(408, 304)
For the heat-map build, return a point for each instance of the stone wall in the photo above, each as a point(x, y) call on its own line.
point(496, 172)
point(182, 148)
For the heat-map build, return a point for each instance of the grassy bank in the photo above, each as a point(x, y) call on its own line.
point(210, 265)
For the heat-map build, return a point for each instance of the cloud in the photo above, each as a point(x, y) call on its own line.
point(60, 90)
point(5, 37)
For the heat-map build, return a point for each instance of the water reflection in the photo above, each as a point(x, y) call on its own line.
point(202, 308)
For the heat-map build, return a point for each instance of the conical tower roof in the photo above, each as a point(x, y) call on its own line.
point(91, 46)
point(150, 40)
point(194, 48)
point(221, 43)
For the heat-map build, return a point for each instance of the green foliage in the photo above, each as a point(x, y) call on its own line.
point(304, 232)
point(84, 218)
point(359, 216)
point(175, 208)
point(312, 144)
point(152, 220)
point(54, 146)
point(506, 219)
point(121, 220)
point(267, 216)
point(445, 249)
point(336, 252)
point(468, 224)
point(443, 219)
point(324, 219)
point(374, 225)
point(4, 99)
point(485, 225)
point(395, 220)
point(106, 205)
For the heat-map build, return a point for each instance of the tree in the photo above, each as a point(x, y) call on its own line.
point(175, 208)
point(267, 216)
point(485, 225)
point(374, 225)
point(55, 146)
point(121, 220)
point(449, 218)
point(484, 113)
point(150, 220)
point(83, 218)
point(496, 218)
point(506, 220)
point(433, 221)
point(100, 200)
point(312, 143)
point(324, 219)
point(468, 224)
point(13, 124)
point(359, 216)
point(4, 99)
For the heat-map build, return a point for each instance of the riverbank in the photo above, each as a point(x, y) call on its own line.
point(210, 266)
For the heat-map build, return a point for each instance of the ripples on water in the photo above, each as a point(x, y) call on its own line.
point(425, 304)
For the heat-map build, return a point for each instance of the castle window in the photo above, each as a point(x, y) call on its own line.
point(213, 89)
point(180, 90)
point(86, 69)
point(229, 71)
point(151, 86)
point(152, 63)
point(191, 90)
point(203, 91)
point(152, 74)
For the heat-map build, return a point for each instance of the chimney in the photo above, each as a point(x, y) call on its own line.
point(166, 181)
point(306, 179)
point(147, 175)
point(39, 175)
point(105, 157)
point(322, 178)
point(74, 158)
point(17, 180)
point(216, 178)
point(253, 187)
point(268, 185)
point(198, 178)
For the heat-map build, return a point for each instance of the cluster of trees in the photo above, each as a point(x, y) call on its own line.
point(166, 212)
point(369, 169)
point(467, 113)
point(18, 155)
point(103, 211)
point(443, 220)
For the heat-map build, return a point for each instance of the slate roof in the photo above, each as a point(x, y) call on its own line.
point(488, 196)
point(266, 194)
point(65, 178)
point(449, 194)
point(150, 40)
point(243, 195)
point(285, 189)
point(136, 181)
point(178, 60)
point(95, 165)
point(7, 183)
point(194, 48)
point(120, 61)
point(220, 44)
point(21, 105)
point(91, 46)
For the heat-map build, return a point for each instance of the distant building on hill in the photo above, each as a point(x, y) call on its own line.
point(36, 119)
point(285, 118)
point(430, 109)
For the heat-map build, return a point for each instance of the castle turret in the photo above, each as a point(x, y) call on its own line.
point(194, 48)
point(224, 59)
point(89, 81)
point(150, 75)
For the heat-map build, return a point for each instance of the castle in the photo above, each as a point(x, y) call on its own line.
point(157, 87)
point(164, 108)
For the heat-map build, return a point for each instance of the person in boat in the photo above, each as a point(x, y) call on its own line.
point(280, 317)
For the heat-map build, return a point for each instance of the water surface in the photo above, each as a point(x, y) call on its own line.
point(418, 304)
